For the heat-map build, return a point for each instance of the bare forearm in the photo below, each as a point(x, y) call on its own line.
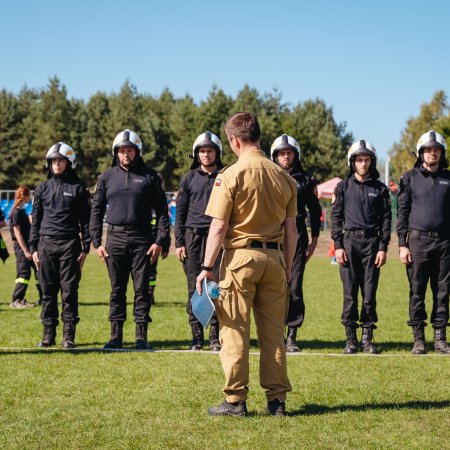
point(20, 240)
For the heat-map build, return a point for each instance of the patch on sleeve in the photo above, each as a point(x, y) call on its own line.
point(333, 199)
point(218, 182)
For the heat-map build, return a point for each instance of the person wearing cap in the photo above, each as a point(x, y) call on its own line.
point(285, 152)
point(131, 190)
point(254, 207)
point(361, 231)
point(423, 229)
point(192, 226)
point(61, 209)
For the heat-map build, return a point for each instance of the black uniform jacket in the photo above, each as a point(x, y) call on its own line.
point(423, 203)
point(61, 207)
point(361, 206)
point(130, 195)
point(193, 196)
point(307, 198)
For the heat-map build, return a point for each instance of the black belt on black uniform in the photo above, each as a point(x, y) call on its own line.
point(266, 245)
point(431, 234)
point(126, 227)
point(361, 233)
point(59, 237)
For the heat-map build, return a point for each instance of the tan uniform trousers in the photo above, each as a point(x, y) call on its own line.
point(253, 278)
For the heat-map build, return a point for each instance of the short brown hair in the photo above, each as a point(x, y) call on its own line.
point(244, 126)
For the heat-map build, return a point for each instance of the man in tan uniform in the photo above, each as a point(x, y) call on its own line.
point(253, 205)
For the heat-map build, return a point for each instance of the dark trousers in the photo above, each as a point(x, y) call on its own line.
point(128, 254)
point(59, 270)
point(296, 313)
point(195, 242)
point(360, 272)
point(430, 261)
point(152, 282)
point(23, 274)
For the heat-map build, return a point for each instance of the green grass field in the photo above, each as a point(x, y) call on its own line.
point(90, 399)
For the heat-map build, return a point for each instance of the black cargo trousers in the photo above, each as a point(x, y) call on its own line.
point(430, 254)
point(195, 243)
point(360, 272)
point(59, 270)
point(296, 312)
point(127, 250)
point(23, 274)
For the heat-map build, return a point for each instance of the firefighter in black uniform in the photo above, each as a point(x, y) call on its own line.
point(19, 225)
point(423, 229)
point(361, 230)
point(131, 190)
point(285, 152)
point(192, 225)
point(60, 212)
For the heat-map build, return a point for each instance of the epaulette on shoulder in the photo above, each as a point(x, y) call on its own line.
point(225, 168)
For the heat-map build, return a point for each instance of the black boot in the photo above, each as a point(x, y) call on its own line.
point(141, 336)
point(229, 409)
point(291, 344)
point(440, 341)
point(69, 335)
point(197, 337)
point(367, 346)
point(419, 347)
point(116, 335)
point(49, 336)
point(214, 343)
point(351, 345)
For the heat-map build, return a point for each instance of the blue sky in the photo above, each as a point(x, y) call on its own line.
point(374, 63)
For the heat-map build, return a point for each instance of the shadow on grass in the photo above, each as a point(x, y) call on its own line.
point(317, 344)
point(313, 409)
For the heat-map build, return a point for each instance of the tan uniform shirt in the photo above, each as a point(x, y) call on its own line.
point(255, 196)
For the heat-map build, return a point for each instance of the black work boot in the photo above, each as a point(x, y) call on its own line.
point(141, 336)
point(291, 344)
point(367, 346)
point(116, 335)
point(440, 341)
point(69, 335)
point(419, 347)
point(276, 408)
point(351, 345)
point(229, 409)
point(49, 336)
point(214, 343)
point(197, 337)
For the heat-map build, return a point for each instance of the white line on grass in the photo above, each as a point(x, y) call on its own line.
point(201, 352)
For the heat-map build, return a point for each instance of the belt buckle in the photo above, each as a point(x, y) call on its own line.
point(434, 234)
point(129, 227)
point(360, 233)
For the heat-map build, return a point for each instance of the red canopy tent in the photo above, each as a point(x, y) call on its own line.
point(326, 190)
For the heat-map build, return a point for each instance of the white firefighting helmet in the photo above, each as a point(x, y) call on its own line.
point(431, 139)
point(284, 142)
point(206, 139)
point(127, 138)
point(362, 147)
point(62, 151)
